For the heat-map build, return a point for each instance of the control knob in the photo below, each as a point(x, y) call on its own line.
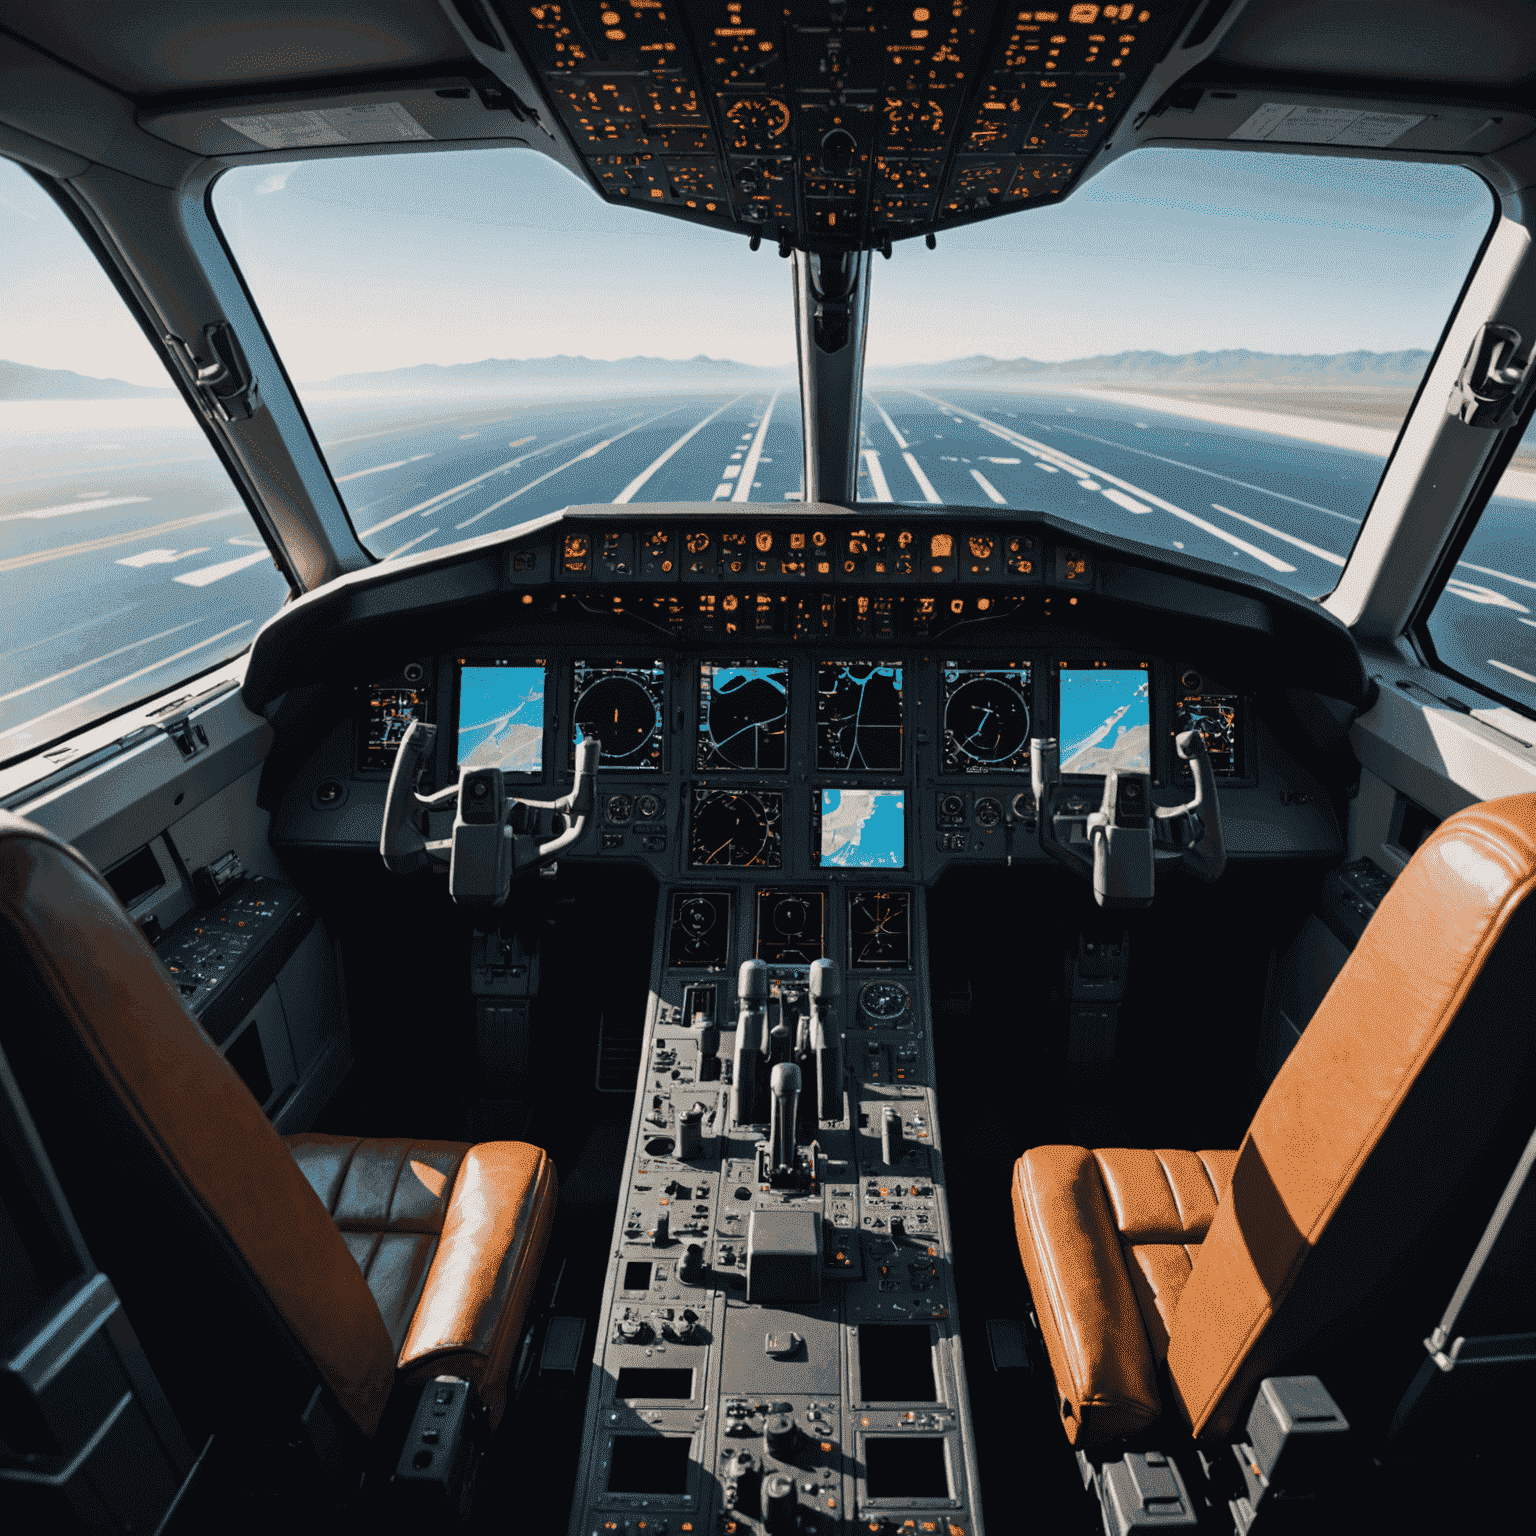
point(781, 1436)
point(779, 1504)
point(691, 1271)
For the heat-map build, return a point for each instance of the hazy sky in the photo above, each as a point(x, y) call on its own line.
point(378, 262)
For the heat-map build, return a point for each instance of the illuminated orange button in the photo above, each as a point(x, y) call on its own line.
point(826, 1445)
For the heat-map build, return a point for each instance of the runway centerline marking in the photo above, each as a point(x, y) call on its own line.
point(59, 677)
point(73, 506)
point(378, 469)
point(924, 484)
point(877, 475)
point(991, 490)
point(442, 496)
point(212, 573)
point(1311, 506)
point(645, 474)
point(885, 416)
point(1080, 470)
point(743, 491)
point(109, 541)
point(549, 474)
point(26, 727)
point(1484, 570)
point(1289, 538)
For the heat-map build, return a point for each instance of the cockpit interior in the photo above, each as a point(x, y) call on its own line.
point(843, 939)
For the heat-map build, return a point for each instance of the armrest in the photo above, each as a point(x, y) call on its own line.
point(1106, 1380)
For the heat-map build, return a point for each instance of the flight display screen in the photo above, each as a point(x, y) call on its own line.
point(879, 930)
point(736, 829)
point(743, 716)
point(986, 717)
point(388, 713)
point(624, 705)
point(858, 716)
point(501, 716)
point(861, 828)
point(1106, 719)
point(1218, 717)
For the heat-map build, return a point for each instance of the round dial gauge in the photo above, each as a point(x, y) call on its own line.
point(621, 714)
point(756, 120)
point(989, 812)
point(884, 1002)
point(986, 720)
point(697, 916)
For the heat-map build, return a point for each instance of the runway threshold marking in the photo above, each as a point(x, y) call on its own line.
point(1485, 570)
point(1084, 471)
point(627, 494)
point(378, 469)
point(395, 554)
point(112, 540)
point(877, 478)
point(743, 491)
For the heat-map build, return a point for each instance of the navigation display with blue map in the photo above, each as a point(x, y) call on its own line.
point(863, 828)
point(501, 718)
point(1106, 720)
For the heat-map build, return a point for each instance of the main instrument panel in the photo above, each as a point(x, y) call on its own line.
point(810, 698)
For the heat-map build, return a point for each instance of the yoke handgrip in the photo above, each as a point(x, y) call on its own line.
point(1206, 855)
point(401, 844)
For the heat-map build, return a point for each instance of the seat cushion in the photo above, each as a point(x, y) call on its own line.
point(1108, 1240)
point(449, 1237)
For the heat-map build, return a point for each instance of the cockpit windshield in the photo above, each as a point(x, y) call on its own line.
point(478, 340)
point(1205, 352)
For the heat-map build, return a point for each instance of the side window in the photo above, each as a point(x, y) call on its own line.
point(1484, 624)
point(128, 561)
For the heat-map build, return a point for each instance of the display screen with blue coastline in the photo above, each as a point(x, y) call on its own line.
point(501, 718)
point(863, 828)
point(1106, 719)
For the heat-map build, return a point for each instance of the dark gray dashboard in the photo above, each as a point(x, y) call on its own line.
point(902, 657)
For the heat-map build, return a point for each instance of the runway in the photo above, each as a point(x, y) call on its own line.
point(129, 563)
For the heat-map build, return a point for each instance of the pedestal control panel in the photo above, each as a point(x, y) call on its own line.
point(780, 1352)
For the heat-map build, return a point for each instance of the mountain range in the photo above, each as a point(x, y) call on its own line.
point(1378, 370)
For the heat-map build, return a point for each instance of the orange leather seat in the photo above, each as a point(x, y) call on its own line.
point(1206, 1272)
point(311, 1275)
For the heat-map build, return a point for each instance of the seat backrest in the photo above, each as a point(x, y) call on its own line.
point(1398, 1087)
point(231, 1270)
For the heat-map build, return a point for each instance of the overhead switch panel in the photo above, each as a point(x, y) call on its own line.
point(836, 124)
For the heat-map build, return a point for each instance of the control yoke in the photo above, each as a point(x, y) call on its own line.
point(1119, 844)
point(495, 835)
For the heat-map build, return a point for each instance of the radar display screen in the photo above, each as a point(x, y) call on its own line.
point(743, 716)
point(791, 927)
point(1218, 717)
point(700, 929)
point(879, 930)
point(1106, 719)
point(860, 828)
point(858, 716)
point(624, 705)
point(501, 716)
point(738, 829)
point(387, 716)
point(986, 717)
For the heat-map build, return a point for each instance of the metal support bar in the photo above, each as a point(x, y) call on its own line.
point(831, 319)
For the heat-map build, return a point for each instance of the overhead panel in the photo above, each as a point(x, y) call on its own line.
point(833, 125)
